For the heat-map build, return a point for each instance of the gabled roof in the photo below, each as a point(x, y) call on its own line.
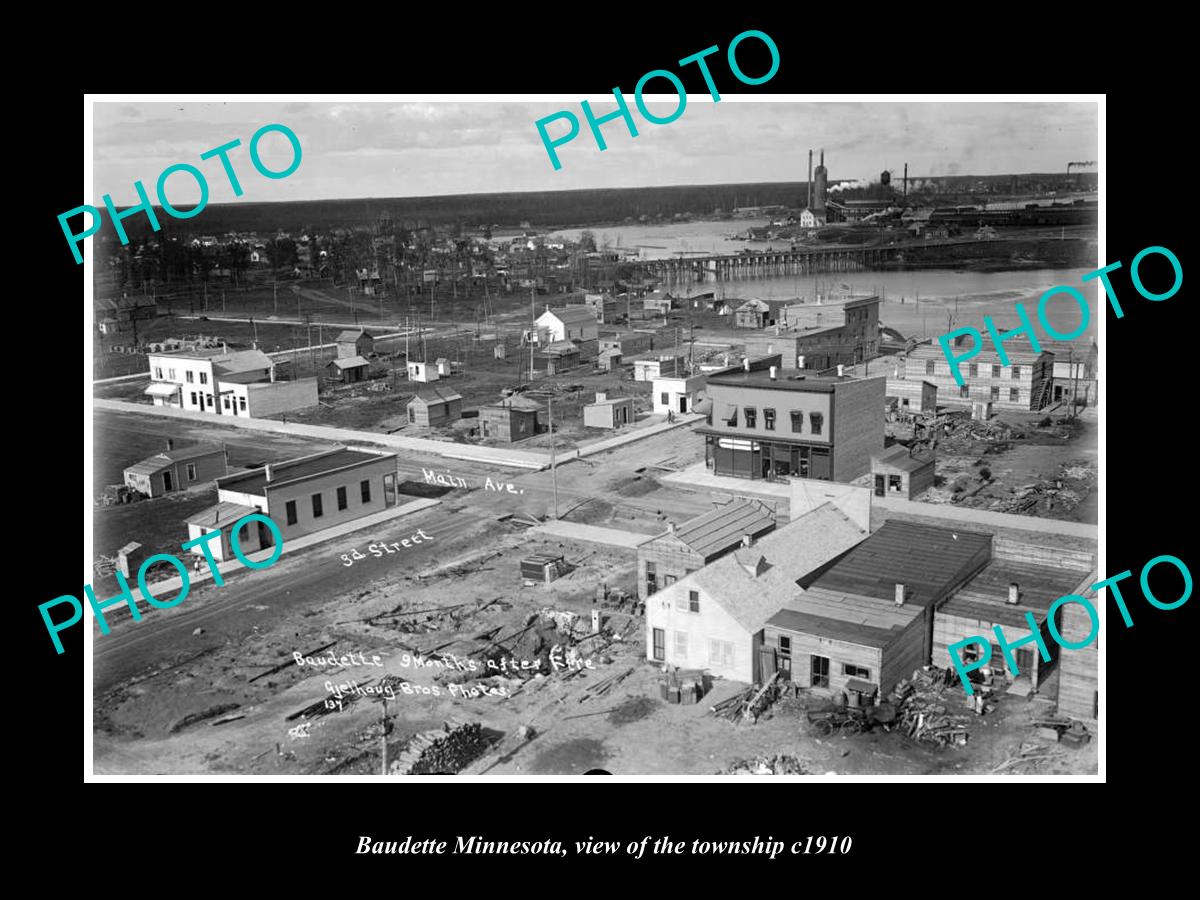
point(160, 461)
point(787, 555)
point(718, 531)
point(347, 362)
point(572, 315)
point(352, 334)
point(434, 393)
point(518, 402)
point(241, 361)
point(224, 513)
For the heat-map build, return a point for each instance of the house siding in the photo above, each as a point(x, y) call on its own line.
point(711, 623)
point(326, 485)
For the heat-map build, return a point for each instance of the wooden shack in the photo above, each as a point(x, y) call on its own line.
point(355, 342)
point(608, 412)
point(349, 369)
point(513, 419)
point(434, 405)
point(897, 472)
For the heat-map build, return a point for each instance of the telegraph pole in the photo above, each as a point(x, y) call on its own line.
point(553, 470)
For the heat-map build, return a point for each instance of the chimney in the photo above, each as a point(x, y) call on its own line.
point(773, 371)
point(170, 443)
point(746, 364)
point(1014, 593)
point(899, 593)
point(269, 473)
point(747, 540)
point(841, 370)
point(809, 204)
point(601, 396)
point(800, 362)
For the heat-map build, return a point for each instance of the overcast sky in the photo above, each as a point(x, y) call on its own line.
point(397, 149)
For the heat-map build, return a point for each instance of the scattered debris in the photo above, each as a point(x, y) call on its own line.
point(767, 765)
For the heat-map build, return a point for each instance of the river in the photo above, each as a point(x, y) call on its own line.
point(917, 303)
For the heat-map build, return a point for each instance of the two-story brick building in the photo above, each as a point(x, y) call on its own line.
point(835, 331)
point(1024, 383)
point(767, 423)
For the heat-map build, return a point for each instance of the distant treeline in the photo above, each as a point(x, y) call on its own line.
point(541, 209)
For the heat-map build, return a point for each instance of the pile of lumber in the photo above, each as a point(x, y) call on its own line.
point(443, 752)
point(600, 688)
point(1031, 754)
point(747, 704)
point(922, 712)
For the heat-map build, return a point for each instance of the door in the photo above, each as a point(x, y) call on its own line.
point(167, 485)
point(683, 404)
point(389, 489)
point(660, 644)
point(879, 488)
point(820, 671)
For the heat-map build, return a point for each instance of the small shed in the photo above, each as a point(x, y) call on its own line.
point(354, 342)
point(608, 360)
point(899, 472)
point(913, 394)
point(176, 470)
point(444, 367)
point(349, 369)
point(560, 356)
point(434, 405)
point(510, 420)
point(130, 557)
point(649, 369)
point(542, 567)
point(608, 412)
point(421, 371)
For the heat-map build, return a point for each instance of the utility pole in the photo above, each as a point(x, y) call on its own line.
point(255, 327)
point(275, 292)
point(553, 470)
point(222, 301)
point(532, 331)
point(383, 737)
point(1074, 383)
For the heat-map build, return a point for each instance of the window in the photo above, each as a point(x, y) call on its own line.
point(856, 672)
point(995, 392)
point(751, 417)
point(210, 401)
point(666, 399)
point(973, 370)
point(651, 578)
point(1016, 373)
point(820, 671)
point(964, 391)
point(669, 580)
point(411, 417)
point(693, 601)
point(1014, 395)
point(815, 421)
point(995, 371)
point(171, 374)
point(158, 373)
point(191, 377)
point(769, 419)
point(341, 498)
point(930, 367)
point(225, 401)
point(193, 396)
point(895, 483)
point(191, 470)
point(970, 653)
point(316, 503)
point(720, 653)
point(365, 488)
point(290, 509)
point(242, 403)
point(797, 422)
point(731, 416)
point(681, 642)
point(204, 378)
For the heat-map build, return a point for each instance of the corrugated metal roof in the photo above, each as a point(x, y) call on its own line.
point(722, 529)
point(928, 559)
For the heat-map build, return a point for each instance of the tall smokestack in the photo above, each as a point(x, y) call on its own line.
point(821, 178)
point(906, 181)
point(809, 204)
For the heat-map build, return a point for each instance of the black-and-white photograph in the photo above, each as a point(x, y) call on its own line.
point(431, 438)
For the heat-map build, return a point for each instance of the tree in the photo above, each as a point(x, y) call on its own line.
point(587, 240)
